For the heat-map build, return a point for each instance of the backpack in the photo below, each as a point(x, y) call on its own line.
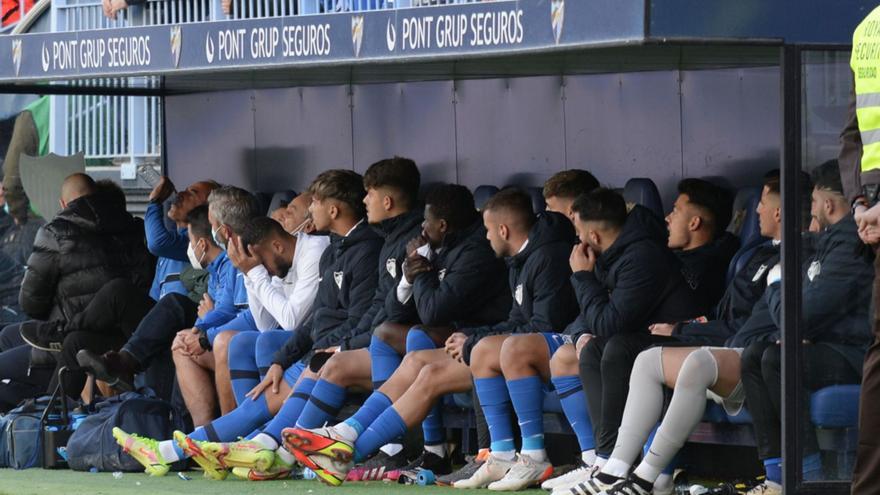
point(92, 444)
point(20, 434)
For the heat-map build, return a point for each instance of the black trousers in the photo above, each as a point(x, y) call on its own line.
point(156, 331)
point(605, 367)
point(24, 382)
point(110, 318)
point(762, 381)
point(10, 337)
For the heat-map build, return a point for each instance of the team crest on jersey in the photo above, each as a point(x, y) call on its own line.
point(518, 293)
point(337, 277)
point(391, 266)
point(814, 270)
point(759, 273)
point(441, 274)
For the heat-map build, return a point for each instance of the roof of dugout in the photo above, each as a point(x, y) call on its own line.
point(487, 39)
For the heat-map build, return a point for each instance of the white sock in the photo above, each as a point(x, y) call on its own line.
point(616, 468)
point(392, 449)
point(600, 462)
point(589, 457)
point(663, 481)
point(647, 472)
point(773, 484)
point(539, 455)
point(504, 455)
point(439, 449)
point(266, 441)
point(168, 451)
point(285, 456)
point(346, 431)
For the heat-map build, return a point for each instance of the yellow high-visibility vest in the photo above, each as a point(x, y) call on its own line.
point(865, 63)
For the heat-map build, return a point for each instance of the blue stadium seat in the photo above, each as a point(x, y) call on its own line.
point(482, 194)
point(836, 406)
point(280, 197)
point(644, 192)
point(551, 402)
point(749, 231)
point(537, 194)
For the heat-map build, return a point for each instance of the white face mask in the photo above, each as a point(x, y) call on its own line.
point(194, 260)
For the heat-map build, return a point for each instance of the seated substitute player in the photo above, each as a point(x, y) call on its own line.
point(348, 281)
point(536, 249)
point(281, 276)
point(836, 298)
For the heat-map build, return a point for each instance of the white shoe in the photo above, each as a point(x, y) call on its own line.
point(666, 489)
point(568, 479)
point(492, 470)
point(766, 488)
point(526, 473)
point(583, 474)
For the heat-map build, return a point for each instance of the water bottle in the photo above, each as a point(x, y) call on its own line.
point(148, 174)
point(308, 474)
point(76, 419)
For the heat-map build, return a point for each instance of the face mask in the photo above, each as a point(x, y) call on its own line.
point(194, 260)
point(6, 208)
point(216, 238)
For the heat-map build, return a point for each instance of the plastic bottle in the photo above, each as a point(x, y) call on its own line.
point(308, 474)
point(148, 174)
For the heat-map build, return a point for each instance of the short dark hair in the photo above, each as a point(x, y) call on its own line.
point(112, 190)
point(715, 201)
point(601, 205)
point(827, 177)
point(345, 186)
point(515, 202)
point(261, 228)
point(398, 173)
point(453, 203)
point(772, 183)
point(569, 184)
point(197, 221)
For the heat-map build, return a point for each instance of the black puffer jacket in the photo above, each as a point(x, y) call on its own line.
point(543, 300)
point(16, 245)
point(636, 282)
point(345, 290)
point(89, 243)
point(705, 269)
point(397, 232)
point(466, 288)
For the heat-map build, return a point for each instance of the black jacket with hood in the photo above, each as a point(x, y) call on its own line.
point(467, 286)
point(737, 304)
point(636, 282)
point(89, 243)
point(543, 299)
point(397, 232)
point(347, 282)
point(836, 290)
point(705, 269)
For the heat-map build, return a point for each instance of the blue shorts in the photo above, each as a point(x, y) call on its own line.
point(291, 375)
point(555, 341)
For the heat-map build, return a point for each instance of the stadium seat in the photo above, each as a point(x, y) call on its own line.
point(482, 194)
point(836, 406)
point(263, 199)
point(750, 230)
point(644, 192)
point(537, 194)
point(279, 198)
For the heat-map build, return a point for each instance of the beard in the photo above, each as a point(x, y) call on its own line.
point(282, 267)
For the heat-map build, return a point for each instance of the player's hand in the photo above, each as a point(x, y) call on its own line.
point(454, 345)
point(205, 306)
point(273, 380)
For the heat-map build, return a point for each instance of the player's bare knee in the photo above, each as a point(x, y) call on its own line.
point(564, 362)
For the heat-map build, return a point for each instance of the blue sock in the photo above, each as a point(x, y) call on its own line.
point(495, 401)
point(266, 346)
point(326, 401)
point(290, 410)
point(773, 469)
point(384, 360)
point(812, 467)
point(432, 426)
point(388, 426)
point(574, 405)
point(243, 364)
point(527, 396)
point(239, 422)
point(376, 404)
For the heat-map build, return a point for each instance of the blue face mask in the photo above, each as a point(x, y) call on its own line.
point(216, 238)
